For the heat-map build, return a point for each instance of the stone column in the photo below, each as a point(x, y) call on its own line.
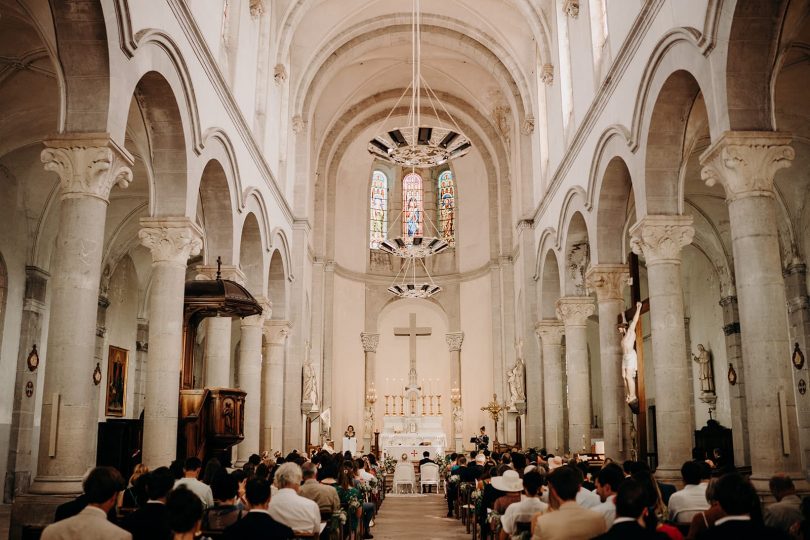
point(608, 281)
point(217, 355)
point(172, 241)
point(745, 164)
point(660, 239)
point(799, 321)
point(454, 341)
point(217, 352)
point(272, 406)
point(550, 332)
point(370, 342)
point(734, 355)
point(19, 466)
point(250, 380)
point(88, 166)
point(574, 311)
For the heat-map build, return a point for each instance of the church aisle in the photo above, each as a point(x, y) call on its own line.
point(416, 517)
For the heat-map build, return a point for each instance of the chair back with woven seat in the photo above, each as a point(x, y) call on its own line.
point(404, 475)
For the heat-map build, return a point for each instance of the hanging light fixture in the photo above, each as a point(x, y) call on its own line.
point(407, 285)
point(418, 145)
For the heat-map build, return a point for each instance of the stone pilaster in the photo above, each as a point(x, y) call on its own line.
point(608, 282)
point(659, 239)
point(88, 166)
point(250, 380)
point(574, 311)
point(141, 361)
point(369, 342)
point(745, 164)
point(272, 404)
point(551, 332)
point(171, 241)
point(454, 342)
point(734, 355)
point(799, 320)
point(19, 466)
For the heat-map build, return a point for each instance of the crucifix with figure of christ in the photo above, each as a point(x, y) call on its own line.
point(412, 331)
point(641, 393)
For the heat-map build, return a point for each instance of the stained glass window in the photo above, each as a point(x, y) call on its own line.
point(412, 205)
point(378, 222)
point(447, 207)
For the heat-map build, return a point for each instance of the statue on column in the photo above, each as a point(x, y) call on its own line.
point(368, 420)
point(515, 377)
point(706, 375)
point(310, 390)
point(458, 421)
point(629, 357)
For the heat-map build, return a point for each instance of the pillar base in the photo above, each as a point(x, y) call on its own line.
point(459, 445)
point(57, 485)
point(34, 511)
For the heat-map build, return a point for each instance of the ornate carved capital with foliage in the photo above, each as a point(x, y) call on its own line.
point(547, 77)
point(276, 331)
point(171, 240)
point(575, 310)
point(454, 340)
point(745, 162)
point(88, 165)
point(608, 280)
point(369, 341)
point(660, 238)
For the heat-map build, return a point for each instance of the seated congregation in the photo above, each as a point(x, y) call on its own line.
point(539, 496)
point(329, 496)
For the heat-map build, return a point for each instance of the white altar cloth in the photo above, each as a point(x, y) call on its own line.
point(414, 451)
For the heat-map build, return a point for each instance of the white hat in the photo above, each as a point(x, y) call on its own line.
point(555, 463)
point(480, 459)
point(510, 482)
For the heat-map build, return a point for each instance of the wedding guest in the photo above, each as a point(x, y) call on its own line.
point(185, 513)
point(151, 521)
point(786, 511)
point(191, 471)
point(569, 521)
point(529, 505)
point(257, 524)
point(691, 500)
point(288, 507)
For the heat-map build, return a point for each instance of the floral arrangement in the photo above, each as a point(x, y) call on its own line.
point(390, 464)
point(454, 479)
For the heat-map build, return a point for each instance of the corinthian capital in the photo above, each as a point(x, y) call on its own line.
point(550, 331)
point(171, 240)
point(660, 238)
point(607, 280)
point(575, 310)
point(276, 331)
point(369, 341)
point(547, 76)
point(454, 340)
point(88, 165)
point(745, 162)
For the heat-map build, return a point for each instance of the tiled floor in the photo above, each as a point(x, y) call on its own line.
point(417, 518)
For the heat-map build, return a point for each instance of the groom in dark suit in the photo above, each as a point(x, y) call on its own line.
point(257, 524)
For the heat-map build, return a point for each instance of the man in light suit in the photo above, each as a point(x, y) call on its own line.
point(101, 488)
point(568, 520)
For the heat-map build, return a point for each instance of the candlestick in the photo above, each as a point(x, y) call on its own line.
point(431, 405)
point(386, 403)
point(439, 403)
point(424, 397)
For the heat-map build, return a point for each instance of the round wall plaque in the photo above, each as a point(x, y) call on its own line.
point(33, 359)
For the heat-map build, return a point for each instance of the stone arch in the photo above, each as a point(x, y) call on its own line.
point(577, 255)
point(436, 30)
point(612, 208)
point(167, 145)
point(551, 285)
point(215, 213)
point(753, 41)
point(251, 259)
point(665, 143)
point(277, 286)
point(481, 133)
point(82, 49)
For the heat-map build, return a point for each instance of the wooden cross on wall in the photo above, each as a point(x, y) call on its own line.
point(641, 391)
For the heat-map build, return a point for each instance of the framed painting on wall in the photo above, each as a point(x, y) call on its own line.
point(117, 361)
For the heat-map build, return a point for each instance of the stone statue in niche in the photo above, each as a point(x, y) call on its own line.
point(706, 374)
